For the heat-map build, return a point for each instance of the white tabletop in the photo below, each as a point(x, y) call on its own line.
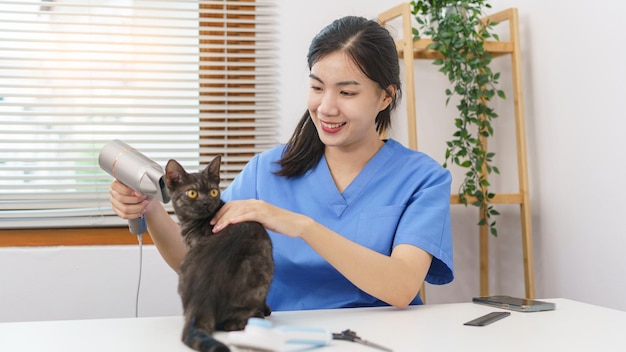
point(573, 326)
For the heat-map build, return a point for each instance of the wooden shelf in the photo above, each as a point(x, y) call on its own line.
point(409, 50)
point(421, 51)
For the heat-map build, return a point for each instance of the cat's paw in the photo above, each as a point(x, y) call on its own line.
point(234, 325)
point(267, 311)
point(263, 312)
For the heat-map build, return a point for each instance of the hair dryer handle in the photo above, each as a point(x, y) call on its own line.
point(137, 226)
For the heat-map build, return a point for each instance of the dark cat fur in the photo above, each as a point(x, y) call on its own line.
point(224, 277)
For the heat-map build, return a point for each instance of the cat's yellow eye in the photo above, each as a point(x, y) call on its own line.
point(214, 193)
point(192, 194)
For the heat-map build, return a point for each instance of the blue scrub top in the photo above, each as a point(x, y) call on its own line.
point(400, 197)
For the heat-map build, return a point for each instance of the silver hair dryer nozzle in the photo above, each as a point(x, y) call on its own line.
point(136, 171)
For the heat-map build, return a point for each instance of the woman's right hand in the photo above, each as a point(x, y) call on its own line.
point(127, 203)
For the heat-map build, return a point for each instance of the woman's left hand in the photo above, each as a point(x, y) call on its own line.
point(271, 217)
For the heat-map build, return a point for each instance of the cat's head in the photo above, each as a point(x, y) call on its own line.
point(194, 195)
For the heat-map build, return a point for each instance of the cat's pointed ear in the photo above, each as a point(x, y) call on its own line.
point(174, 174)
point(213, 169)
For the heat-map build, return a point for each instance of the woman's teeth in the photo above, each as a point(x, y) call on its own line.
point(333, 125)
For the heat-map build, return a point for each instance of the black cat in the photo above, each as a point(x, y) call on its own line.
point(225, 276)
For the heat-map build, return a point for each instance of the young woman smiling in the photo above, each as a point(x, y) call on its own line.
point(355, 220)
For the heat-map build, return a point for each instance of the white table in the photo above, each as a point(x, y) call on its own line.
point(573, 326)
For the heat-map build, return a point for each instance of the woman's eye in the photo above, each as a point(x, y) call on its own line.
point(214, 193)
point(192, 194)
point(348, 94)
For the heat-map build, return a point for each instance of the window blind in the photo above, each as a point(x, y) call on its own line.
point(184, 80)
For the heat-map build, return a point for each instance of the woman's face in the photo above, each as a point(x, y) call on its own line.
point(344, 103)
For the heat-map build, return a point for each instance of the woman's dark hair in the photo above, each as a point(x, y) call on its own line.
point(373, 50)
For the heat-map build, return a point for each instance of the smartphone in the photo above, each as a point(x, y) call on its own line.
point(514, 303)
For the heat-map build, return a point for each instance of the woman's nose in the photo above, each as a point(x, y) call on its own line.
point(328, 105)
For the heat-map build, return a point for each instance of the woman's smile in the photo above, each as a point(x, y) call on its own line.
point(331, 127)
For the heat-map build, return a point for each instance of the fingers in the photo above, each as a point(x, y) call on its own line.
point(222, 218)
point(125, 202)
point(124, 190)
point(234, 212)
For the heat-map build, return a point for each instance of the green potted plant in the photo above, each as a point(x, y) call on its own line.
point(459, 35)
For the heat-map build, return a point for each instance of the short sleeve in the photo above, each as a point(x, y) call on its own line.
point(244, 185)
point(426, 224)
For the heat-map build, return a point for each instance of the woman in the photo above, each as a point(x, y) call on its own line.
point(355, 220)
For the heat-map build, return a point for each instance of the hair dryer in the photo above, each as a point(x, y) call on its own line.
point(136, 171)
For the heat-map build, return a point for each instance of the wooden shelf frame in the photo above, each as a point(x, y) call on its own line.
point(409, 50)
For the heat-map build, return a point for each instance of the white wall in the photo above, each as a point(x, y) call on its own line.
point(573, 70)
point(84, 282)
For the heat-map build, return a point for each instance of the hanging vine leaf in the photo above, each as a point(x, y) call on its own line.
point(459, 36)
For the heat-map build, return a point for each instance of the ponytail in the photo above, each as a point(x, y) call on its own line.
point(303, 151)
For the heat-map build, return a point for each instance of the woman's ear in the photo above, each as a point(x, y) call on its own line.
point(389, 93)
